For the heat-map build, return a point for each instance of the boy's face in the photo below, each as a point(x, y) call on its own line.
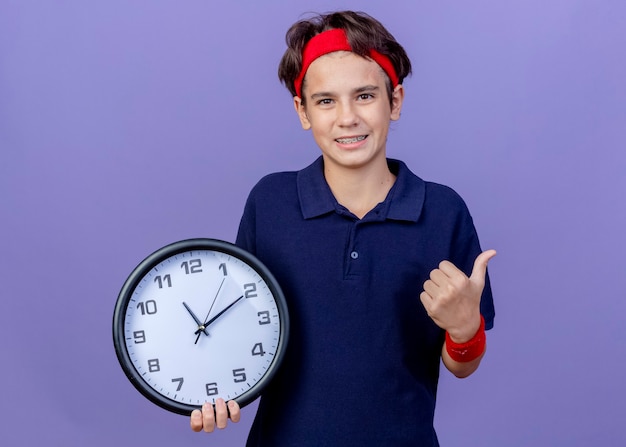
point(348, 109)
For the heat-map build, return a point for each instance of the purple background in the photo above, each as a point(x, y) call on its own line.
point(127, 125)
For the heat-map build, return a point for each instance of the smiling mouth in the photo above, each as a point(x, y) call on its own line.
point(351, 140)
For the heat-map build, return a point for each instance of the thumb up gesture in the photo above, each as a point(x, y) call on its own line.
point(452, 299)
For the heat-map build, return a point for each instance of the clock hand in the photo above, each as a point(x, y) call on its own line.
point(221, 312)
point(202, 327)
point(214, 299)
point(196, 319)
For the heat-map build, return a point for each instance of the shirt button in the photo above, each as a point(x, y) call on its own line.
point(354, 255)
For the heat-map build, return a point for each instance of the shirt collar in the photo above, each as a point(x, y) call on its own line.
point(404, 201)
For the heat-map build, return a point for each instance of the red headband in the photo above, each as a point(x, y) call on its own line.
point(336, 40)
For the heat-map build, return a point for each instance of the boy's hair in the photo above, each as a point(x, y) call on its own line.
point(364, 34)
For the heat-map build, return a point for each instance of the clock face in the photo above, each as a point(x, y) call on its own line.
point(198, 320)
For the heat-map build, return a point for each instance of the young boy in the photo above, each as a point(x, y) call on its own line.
point(374, 261)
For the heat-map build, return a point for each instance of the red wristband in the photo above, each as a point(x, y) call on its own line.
point(471, 349)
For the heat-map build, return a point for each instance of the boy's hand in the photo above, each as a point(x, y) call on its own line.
point(452, 299)
point(208, 418)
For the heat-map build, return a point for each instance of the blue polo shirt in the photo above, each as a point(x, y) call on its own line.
point(363, 359)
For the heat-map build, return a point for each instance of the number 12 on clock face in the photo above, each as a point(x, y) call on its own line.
point(198, 320)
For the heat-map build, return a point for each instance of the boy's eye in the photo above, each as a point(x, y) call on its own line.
point(365, 96)
point(325, 101)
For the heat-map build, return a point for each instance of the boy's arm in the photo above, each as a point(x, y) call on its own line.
point(452, 300)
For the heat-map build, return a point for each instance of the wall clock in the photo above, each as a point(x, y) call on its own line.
point(197, 320)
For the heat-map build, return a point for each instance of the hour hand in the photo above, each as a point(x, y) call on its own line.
point(201, 327)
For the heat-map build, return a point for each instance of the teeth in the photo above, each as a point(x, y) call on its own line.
point(350, 140)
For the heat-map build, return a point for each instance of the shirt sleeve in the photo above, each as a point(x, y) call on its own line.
point(466, 250)
point(246, 235)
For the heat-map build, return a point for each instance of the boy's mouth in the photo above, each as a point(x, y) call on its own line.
point(351, 139)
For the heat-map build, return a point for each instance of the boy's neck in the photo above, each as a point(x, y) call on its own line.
point(360, 189)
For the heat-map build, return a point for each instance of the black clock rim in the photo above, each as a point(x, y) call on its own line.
point(154, 259)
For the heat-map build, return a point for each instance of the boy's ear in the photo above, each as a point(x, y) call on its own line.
point(301, 111)
point(396, 102)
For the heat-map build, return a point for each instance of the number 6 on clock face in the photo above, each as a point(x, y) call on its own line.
point(197, 320)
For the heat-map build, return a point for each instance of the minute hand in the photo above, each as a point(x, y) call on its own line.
point(221, 312)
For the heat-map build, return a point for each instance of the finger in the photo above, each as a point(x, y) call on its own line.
point(208, 417)
point(221, 413)
point(439, 277)
point(234, 410)
point(430, 307)
point(431, 290)
point(196, 420)
point(449, 269)
point(480, 266)
point(427, 302)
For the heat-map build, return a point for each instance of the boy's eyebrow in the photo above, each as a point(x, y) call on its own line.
point(356, 91)
point(321, 95)
point(366, 88)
